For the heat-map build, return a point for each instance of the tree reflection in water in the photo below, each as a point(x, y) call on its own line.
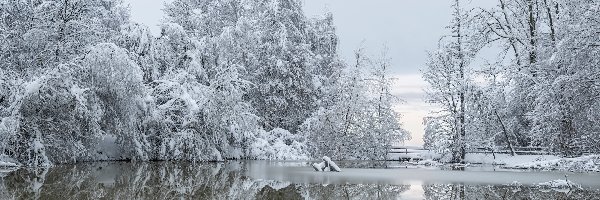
point(168, 180)
point(487, 192)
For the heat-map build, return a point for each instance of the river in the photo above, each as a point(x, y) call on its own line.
point(286, 180)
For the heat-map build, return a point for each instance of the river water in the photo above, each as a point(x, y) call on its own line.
point(285, 180)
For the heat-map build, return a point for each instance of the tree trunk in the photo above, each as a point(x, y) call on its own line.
point(532, 33)
point(510, 146)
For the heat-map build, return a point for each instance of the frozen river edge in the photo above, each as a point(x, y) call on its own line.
point(478, 175)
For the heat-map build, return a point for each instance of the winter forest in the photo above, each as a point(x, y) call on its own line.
point(79, 81)
point(259, 80)
point(542, 90)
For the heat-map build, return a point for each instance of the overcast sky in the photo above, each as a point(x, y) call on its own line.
point(408, 28)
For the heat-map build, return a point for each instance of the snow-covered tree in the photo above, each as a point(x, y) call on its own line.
point(225, 79)
point(116, 82)
point(567, 88)
point(541, 89)
point(42, 34)
point(360, 122)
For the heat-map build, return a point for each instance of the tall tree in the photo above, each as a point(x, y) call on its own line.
point(446, 74)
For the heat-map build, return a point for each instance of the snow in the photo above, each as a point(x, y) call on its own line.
point(559, 184)
point(331, 164)
point(505, 159)
point(319, 166)
point(37, 145)
point(273, 145)
point(33, 86)
point(326, 165)
point(191, 103)
point(78, 93)
point(428, 162)
point(589, 163)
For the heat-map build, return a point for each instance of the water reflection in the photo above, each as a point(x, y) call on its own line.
point(460, 191)
point(234, 180)
point(165, 180)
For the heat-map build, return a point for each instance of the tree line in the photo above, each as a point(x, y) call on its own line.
point(223, 80)
point(541, 90)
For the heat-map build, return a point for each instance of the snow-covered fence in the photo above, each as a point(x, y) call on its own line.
point(408, 153)
point(517, 150)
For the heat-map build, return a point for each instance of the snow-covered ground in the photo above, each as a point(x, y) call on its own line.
point(581, 164)
point(560, 183)
point(589, 163)
point(505, 159)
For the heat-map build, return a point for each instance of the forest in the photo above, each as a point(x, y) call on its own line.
point(236, 79)
point(224, 79)
point(541, 91)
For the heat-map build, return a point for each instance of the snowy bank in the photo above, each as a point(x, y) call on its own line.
point(589, 163)
point(562, 184)
point(429, 162)
point(505, 159)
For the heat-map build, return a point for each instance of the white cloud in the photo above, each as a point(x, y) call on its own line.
point(410, 88)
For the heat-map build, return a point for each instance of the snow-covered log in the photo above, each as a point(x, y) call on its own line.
point(326, 165)
point(319, 166)
point(332, 166)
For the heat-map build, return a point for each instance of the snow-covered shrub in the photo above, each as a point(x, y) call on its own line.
point(8, 124)
point(438, 137)
point(176, 127)
point(350, 131)
point(55, 124)
point(116, 84)
point(278, 144)
point(356, 119)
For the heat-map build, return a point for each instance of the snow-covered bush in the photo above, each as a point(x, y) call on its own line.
point(278, 144)
point(438, 137)
point(55, 124)
point(357, 120)
point(116, 84)
point(176, 127)
point(8, 124)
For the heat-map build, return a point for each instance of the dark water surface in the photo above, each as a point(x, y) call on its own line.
point(284, 180)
